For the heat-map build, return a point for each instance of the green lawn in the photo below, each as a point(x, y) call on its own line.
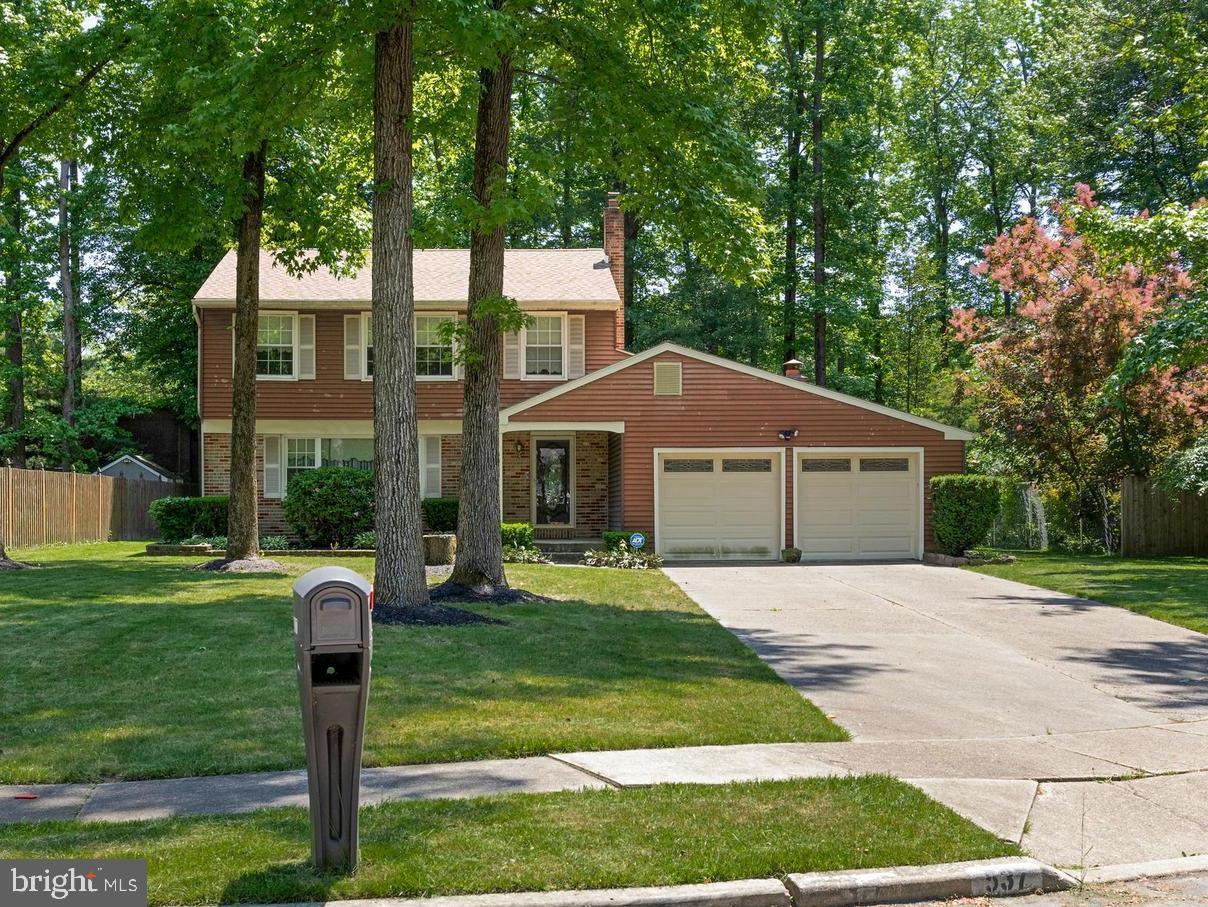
point(118, 665)
point(1173, 589)
point(661, 835)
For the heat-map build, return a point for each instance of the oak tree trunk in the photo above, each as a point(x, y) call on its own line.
point(819, 209)
point(14, 340)
point(793, 52)
point(243, 527)
point(479, 563)
point(400, 582)
point(67, 283)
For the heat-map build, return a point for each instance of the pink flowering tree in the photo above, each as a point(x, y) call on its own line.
point(1048, 379)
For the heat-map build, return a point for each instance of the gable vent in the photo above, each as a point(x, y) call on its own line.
point(668, 379)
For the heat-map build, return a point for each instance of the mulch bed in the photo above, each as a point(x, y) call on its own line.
point(248, 565)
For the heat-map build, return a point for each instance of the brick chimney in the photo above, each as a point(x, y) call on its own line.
point(614, 250)
point(792, 368)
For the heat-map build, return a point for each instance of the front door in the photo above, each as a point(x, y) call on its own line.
point(552, 482)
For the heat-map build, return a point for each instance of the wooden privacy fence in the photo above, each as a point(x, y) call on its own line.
point(1154, 523)
point(40, 508)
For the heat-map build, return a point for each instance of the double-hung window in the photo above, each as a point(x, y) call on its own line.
point(301, 454)
point(545, 347)
point(277, 346)
point(433, 347)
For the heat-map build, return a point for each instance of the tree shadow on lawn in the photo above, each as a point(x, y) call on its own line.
point(210, 688)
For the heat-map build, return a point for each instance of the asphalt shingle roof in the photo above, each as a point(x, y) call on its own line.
point(441, 275)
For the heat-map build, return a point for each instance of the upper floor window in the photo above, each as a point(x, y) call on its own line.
point(543, 347)
point(276, 346)
point(433, 347)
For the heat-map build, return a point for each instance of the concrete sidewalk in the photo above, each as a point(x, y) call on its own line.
point(1060, 798)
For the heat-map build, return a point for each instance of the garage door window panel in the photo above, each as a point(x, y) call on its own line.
point(826, 465)
point(884, 464)
point(687, 466)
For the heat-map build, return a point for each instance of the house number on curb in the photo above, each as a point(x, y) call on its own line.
point(637, 540)
point(1003, 883)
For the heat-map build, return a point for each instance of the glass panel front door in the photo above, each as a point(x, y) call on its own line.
point(553, 482)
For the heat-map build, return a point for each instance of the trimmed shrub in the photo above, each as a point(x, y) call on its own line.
point(517, 535)
point(964, 508)
point(791, 555)
point(613, 539)
point(179, 518)
point(440, 513)
point(329, 506)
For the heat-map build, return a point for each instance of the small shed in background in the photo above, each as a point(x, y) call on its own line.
point(132, 466)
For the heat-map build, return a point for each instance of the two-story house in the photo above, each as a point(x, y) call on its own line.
point(710, 458)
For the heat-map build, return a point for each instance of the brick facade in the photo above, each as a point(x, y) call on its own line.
point(450, 466)
point(216, 473)
point(591, 468)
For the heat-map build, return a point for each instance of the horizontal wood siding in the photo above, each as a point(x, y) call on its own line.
point(330, 395)
point(1156, 524)
point(45, 508)
point(723, 408)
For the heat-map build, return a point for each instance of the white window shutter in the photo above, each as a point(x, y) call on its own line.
point(429, 466)
point(576, 346)
point(352, 346)
point(511, 354)
point(272, 467)
point(459, 367)
point(306, 346)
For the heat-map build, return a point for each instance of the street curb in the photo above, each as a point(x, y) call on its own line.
point(1126, 872)
point(849, 888)
point(746, 893)
point(899, 884)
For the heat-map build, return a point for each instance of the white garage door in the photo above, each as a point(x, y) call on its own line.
point(858, 506)
point(719, 506)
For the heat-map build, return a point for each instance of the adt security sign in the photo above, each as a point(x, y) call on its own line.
point(637, 541)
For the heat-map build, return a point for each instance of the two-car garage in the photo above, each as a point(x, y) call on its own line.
point(847, 504)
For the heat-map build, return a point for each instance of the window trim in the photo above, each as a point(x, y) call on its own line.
point(297, 339)
point(367, 327)
point(316, 440)
point(524, 375)
point(573, 453)
point(447, 316)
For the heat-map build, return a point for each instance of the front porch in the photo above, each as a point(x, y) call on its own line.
point(567, 483)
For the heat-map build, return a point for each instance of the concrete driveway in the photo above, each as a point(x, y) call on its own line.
point(913, 652)
point(1073, 727)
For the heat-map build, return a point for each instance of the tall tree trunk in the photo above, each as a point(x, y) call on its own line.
point(794, 50)
point(14, 335)
point(67, 283)
point(819, 209)
point(479, 563)
point(243, 525)
point(630, 226)
point(399, 577)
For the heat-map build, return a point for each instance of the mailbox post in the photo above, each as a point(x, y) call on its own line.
point(333, 642)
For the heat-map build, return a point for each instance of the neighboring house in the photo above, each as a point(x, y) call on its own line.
point(710, 458)
point(132, 466)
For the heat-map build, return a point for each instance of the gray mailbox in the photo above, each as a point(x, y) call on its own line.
point(333, 642)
